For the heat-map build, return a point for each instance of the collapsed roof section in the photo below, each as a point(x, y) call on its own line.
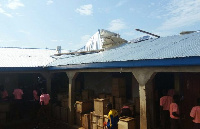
point(110, 39)
point(166, 50)
point(102, 39)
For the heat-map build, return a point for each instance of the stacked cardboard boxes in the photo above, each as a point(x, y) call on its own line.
point(102, 96)
point(127, 123)
point(87, 95)
point(97, 116)
point(119, 92)
point(100, 106)
point(119, 102)
point(84, 106)
point(82, 118)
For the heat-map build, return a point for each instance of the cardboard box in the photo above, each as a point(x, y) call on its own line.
point(102, 96)
point(100, 106)
point(94, 125)
point(111, 99)
point(98, 120)
point(78, 119)
point(99, 127)
point(119, 82)
point(84, 107)
point(87, 95)
point(91, 120)
point(121, 92)
point(86, 121)
point(120, 100)
point(127, 123)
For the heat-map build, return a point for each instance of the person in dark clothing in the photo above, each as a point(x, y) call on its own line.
point(113, 117)
point(126, 111)
point(174, 113)
point(165, 102)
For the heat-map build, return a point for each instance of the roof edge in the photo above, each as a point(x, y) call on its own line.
point(183, 61)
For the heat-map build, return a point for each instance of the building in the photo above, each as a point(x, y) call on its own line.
point(148, 67)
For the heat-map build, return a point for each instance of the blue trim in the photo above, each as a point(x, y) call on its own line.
point(186, 61)
point(21, 69)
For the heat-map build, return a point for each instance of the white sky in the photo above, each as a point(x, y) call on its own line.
point(70, 23)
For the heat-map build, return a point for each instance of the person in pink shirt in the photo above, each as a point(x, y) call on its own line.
point(44, 99)
point(18, 94)
point(4, 94)
point(35, 95)
point(174, 113)
point(165, 102)
point(195, 114)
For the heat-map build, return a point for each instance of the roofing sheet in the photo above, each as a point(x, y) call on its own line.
point(161, 48)
point(18, 57)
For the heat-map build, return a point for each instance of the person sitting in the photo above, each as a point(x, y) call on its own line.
point(126, 111)
point(113, 117)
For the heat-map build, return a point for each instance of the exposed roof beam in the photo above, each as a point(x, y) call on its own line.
point(147, 33)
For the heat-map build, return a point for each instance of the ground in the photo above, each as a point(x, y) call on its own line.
point(30, 124)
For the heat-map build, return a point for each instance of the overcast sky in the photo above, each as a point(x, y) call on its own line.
point(70, 23)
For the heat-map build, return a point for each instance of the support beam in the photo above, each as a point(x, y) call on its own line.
point(71, 99)
point(142, 76)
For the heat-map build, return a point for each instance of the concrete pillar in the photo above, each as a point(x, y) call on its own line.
point(47, 76)
point(71, 99)
point(142, 76)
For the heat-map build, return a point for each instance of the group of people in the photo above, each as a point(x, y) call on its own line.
point(170, 115)
point(113, 116)
point(40, 97)
point(17, 94)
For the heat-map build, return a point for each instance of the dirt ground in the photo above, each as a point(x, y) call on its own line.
point(28, 124)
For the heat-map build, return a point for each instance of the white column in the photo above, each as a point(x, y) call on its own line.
point(71, 99)
point(142, 76)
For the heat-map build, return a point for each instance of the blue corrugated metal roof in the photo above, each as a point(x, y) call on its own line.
point(171, 47)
